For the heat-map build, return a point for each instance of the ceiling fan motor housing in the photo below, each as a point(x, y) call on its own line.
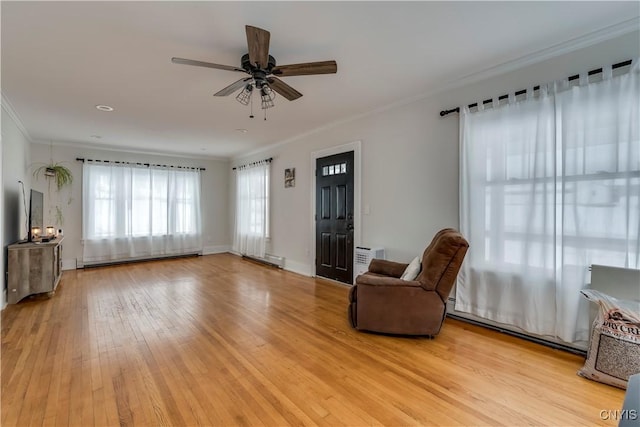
point(250, 68)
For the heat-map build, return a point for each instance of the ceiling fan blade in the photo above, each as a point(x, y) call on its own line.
point(233, 87)
point(305, 69)
point(283, 89)
point(205, 64)
point(258, 44)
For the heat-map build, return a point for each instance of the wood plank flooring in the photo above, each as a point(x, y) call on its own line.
point(221, 341)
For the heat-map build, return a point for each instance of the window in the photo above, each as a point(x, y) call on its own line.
point(151, 210)
point(252, 209)
point(549, 185)
point(336, 169)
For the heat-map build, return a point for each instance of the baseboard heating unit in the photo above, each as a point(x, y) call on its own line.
point(131, 260)
point(268, 259)
point(531, 338)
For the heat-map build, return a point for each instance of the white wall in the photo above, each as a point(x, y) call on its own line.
point(215, 193)
point(409, 160)
point(3, 296)
point(15, 167)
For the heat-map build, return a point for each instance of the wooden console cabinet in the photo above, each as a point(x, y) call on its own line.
point(33, 268)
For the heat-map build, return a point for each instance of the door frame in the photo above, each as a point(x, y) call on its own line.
point(356, 147)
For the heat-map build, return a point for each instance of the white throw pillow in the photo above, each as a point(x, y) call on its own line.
point(412, 270)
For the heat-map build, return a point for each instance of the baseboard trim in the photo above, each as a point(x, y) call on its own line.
point(297, 267)
point(219, 249)
point(69, 264)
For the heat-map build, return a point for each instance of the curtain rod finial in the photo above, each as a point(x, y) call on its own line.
point(447, 112)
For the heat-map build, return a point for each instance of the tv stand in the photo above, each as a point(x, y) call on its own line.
point(34, 268)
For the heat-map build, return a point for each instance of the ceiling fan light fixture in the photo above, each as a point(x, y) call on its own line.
point(244, 97)
point(267, 103)
point(267, 96)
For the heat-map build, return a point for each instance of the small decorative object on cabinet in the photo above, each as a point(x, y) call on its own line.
point(34, 268)
point(36, 232)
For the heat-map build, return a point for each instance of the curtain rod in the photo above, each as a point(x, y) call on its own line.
point(81, 159)
point(523, 91)
point(254, 163)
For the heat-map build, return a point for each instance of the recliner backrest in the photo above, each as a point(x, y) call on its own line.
point(442, 260)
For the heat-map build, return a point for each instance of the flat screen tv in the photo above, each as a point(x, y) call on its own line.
point(36, 213)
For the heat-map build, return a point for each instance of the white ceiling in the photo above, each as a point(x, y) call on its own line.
point(60, 59)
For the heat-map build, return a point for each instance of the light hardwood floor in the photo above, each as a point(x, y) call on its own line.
point(216, 340)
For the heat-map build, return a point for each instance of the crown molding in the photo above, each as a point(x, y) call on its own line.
point(572, 45)
point(105, 147)
point(568, 46)
point(8, 107)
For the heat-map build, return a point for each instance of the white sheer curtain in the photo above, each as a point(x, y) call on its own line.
point(131, 211)
point(549, 185)
point(252, 209)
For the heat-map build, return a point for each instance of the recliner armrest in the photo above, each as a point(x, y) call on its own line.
point(387, 268)
point(373, 280)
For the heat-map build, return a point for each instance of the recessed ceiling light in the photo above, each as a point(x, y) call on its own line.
point(242, 130)
point(104, 108)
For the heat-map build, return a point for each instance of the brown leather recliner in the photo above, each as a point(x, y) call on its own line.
point(382, 302)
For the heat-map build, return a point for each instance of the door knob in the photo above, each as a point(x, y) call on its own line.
point(349, 227)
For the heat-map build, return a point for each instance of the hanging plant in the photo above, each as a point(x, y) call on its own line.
point(60, 174)
point(62, 177)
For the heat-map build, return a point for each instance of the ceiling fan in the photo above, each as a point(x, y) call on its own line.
point(262, 70)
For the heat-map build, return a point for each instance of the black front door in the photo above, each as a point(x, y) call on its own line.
point(334, 217)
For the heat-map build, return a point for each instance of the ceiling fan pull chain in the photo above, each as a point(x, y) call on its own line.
point(251, 115)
